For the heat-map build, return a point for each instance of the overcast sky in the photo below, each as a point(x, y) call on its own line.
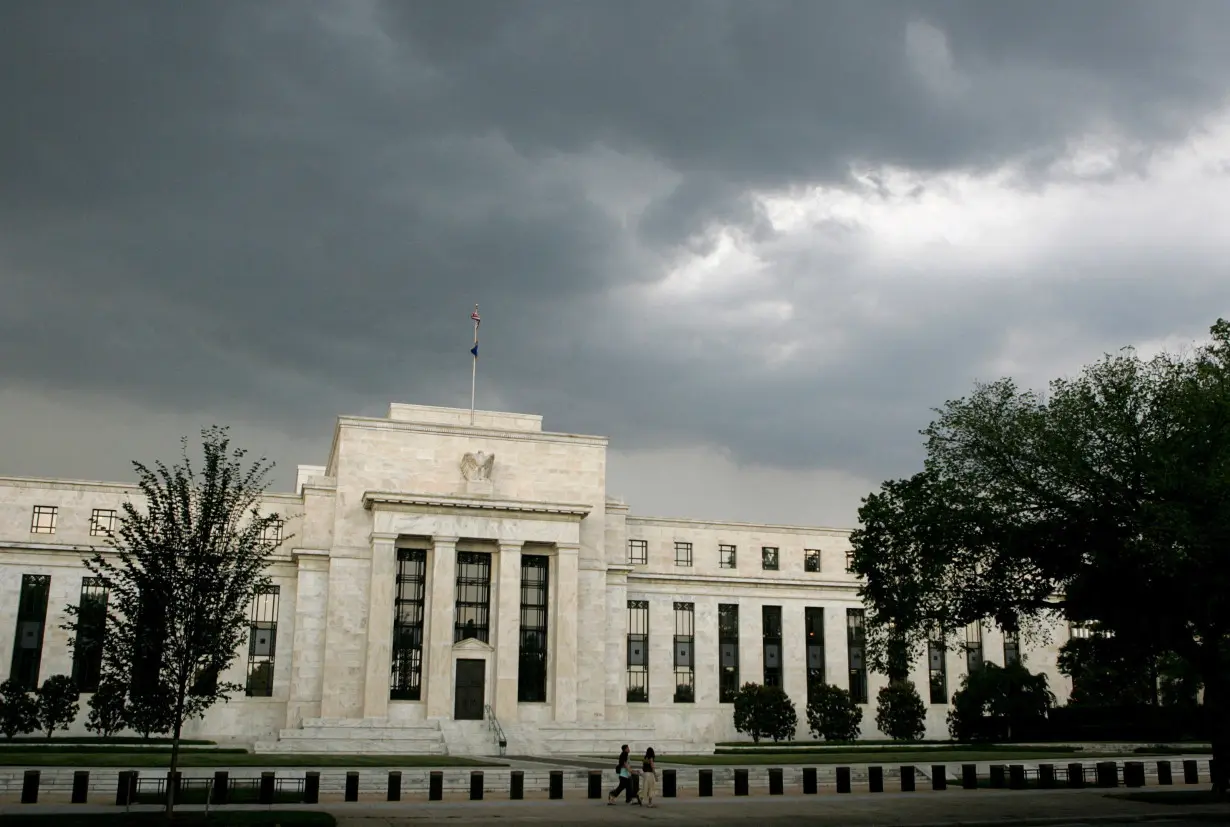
point(754, 243)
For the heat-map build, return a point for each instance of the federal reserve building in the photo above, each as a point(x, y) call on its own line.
point(444, 583)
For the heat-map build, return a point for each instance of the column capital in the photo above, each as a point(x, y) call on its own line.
point(438, 540)
point(511, 545)
point(383, 537)
point(568, 548)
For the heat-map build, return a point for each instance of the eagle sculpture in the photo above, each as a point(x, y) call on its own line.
point(477, 466)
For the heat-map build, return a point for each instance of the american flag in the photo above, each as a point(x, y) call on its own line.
point(474, 316)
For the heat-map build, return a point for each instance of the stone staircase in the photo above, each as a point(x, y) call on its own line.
point(358, 736)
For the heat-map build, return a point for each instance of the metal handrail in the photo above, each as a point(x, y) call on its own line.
point(495, 725)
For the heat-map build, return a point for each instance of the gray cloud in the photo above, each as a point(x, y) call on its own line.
point(274, 213)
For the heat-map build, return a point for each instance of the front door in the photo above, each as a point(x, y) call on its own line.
point(469, 693)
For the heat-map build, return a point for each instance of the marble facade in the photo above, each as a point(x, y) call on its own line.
point(426, 479)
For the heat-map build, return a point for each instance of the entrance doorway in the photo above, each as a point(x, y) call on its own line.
point(469, 692)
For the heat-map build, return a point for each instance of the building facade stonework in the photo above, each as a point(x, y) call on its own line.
point(441, 586)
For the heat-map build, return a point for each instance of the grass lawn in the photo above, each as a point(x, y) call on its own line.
point(922, 756)
point(24, 740)
point(212, 758)
point(874, 752)
point(234, 818)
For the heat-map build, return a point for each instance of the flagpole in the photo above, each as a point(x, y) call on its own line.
point(474, 366)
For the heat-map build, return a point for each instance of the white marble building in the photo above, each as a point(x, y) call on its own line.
point(411, 613)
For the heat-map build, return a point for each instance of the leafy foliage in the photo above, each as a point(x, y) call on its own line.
point(900, 713)
point(832, 713)
point(57, 704)
point(1107, 672)
point(181, 575)
point(1105, 500)
point(18, 710)
point(108, 708)
point(765, 712)
point(996, 702)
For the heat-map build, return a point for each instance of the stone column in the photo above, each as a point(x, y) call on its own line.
point(380, 626)
point(616, 645)
point(442, 585)
point(565, 587)
point(794, 651)
point(307, 654)
point(508, 635)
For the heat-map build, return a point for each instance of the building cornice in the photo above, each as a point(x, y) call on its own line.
point(374, 424)
point(374, 500)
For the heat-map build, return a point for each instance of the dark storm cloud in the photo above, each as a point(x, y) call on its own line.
point(284, 211)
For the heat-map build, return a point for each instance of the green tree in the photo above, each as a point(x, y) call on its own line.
point(108, 708)
point(57, 704)
point(181, 574)
point(765, 712)
point(1105, 671)
point(18, 710)
point(900, 713)
point(832, 714)
point(1106, 500)
point(997, 703)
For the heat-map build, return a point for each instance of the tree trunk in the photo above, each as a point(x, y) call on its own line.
point(179, 726)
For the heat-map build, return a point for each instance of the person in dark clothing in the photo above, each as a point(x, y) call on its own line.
point(626, 781)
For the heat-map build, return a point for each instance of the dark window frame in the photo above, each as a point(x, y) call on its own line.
point(683, 553)
point(974, 655)
point(32, 624)
point(771, 641)
point(44, 519)
point(770, 558)
point(638, 552)
point(102, 522)
point(91, 632)
point(728, 556)
point(685, 639)
point(937, 676)
point(1012, 648)
point(813, 640)
point(856, 652)
point(472, 600)
point(272, 532)
point(409, 617)
point(638, 634)
point(812, 560)
point(532, 646)
point(728, 642)
point(262, 621)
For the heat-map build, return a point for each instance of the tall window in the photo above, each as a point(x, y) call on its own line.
point(768, 558)
point(473, 612)
point(406, 676)
point(771, 619)
point(1012, 648)
point(728, 652)
point(685, 670)
point(973, 646)
point(638, 651)
point(813, 624)
point(28, 640)
point(638, 552)
point(43, 519)
point(262, 642)
point(937, 668)
point(151, 637)
point(532, 663)
point(102, 522)
point(726, 557)
point(683, 554)
point(856, 644)
point(811, 559)
point(91, 626)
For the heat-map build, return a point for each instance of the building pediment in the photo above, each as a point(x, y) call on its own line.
point(377, 500)
point(472, 645)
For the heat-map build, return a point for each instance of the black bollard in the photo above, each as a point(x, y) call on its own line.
point(1076, 775)
point(1191, 772)
point(1107, 774)
point(268, 785)
point(394, 786)
point(1133, 774)
point(875, 779)
point(29, 787)
point(740, 782)
point(476, 785)
point(907, 779)
point(704, 783)
point(557, 785)
point(776, 784)
point(1046, 776)
point(516, 787)
point(435, 786)
point(998, 780)
point(969, 776)
point(124, 788)
point(810, 787)
point(595, 784)
point(1164, 776)
point(173, 783)
point(352, 786)
point(311, 787)
point(939, 777)
point(1016, 776)
point(669, 784)
point(81, 786)
point(843, 779)
point(222, 785)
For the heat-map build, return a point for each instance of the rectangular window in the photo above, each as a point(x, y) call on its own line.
point(532, 662)
point(638, 552)
point(262, 642)
point(973, 646)
point(813, 623)
point(728, 652)
point(683, 554)
point(726, 557)
point(406, 675)
point(91, 627)
point(1012, 648)
point(1076, 629)
point(850, 562)
point(685, 638)
point(147, 659)
point(638, 651)
point(43, 519)
point(768, 558)
point(771, 627)
point(272, 533)
point(473, 612)
point(102, 522)
point(937, 668)
point(28, 640)
point(811, 559)
point(856, 645)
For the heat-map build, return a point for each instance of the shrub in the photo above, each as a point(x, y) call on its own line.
point(765, 711)
point(900, 712)
point(832, 714)
point(997, 703)
point(18, 710)
point(108, 708)
point(149, 713)
point(57, 704)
